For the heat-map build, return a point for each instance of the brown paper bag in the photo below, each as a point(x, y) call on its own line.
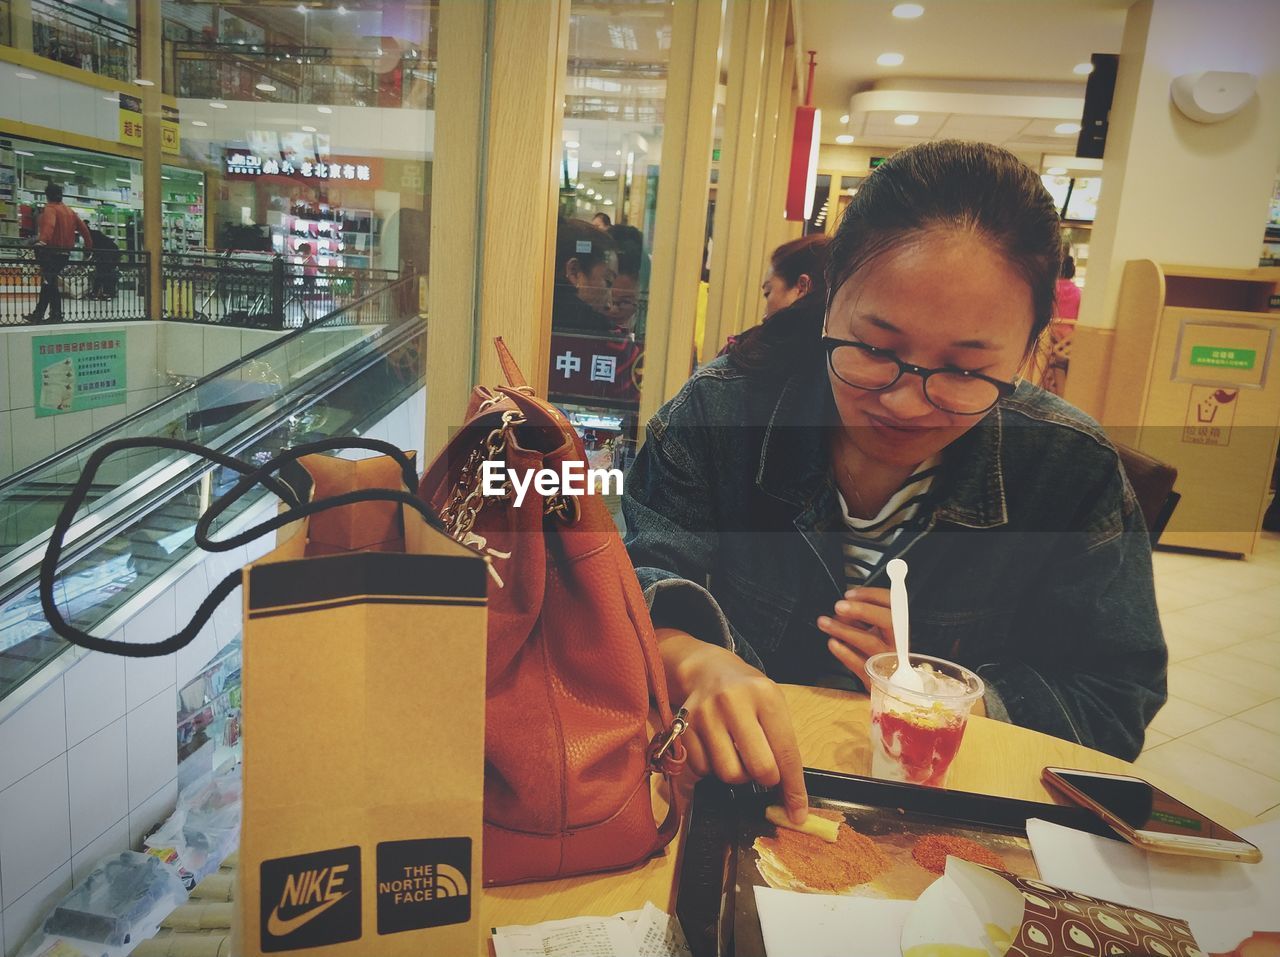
point(364, 744)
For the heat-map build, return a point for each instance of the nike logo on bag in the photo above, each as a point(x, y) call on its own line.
point(278, 927)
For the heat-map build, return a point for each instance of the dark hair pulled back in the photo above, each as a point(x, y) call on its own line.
point(941, 186)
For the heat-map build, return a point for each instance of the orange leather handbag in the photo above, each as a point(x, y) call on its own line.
point(573, 674)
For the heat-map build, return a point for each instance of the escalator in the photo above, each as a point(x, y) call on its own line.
point(134, 534)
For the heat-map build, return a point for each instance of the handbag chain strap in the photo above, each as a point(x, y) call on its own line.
point(467, 498)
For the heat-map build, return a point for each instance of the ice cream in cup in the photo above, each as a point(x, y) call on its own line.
point(916, 734)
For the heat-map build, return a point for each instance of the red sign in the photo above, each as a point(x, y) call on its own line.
point(596, 367)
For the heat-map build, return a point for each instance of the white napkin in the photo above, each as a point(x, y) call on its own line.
point(1223, 901)
point(823, 925)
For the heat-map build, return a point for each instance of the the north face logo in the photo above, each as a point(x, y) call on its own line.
point(310, 900)
point(424, 883)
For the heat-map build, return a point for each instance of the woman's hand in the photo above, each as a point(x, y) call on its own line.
point(862, 626)
point(739, 727)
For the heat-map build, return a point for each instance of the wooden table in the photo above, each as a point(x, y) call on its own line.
point(832, 727)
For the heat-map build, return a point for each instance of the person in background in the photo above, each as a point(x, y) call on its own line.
point(105, 278)
point(309, 268)
point(891, 420)
point(586, 267)
point(796, 269)
point(601, 221)
point(1067, 295)
point(59, 225)
point(624, 297)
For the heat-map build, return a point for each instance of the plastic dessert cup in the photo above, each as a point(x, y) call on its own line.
point(915, 735)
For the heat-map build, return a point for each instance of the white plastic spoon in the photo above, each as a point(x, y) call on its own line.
point(905, 677)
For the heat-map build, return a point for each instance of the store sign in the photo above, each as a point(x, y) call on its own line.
point(130, 119)
point(243, 164)
point(79, 371)
point(1223, 358)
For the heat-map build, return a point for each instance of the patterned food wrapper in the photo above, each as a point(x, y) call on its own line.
point(973, 911)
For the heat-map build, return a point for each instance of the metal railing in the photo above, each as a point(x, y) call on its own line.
point(106, 286)
point(67, 34)
point(235, 71)
point(260, 290)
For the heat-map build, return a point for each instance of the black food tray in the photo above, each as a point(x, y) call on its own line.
point(716, 903)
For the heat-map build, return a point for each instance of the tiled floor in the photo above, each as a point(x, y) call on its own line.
point(1220, 731)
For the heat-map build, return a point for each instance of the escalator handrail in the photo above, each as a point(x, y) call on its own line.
point(91, 530)
point(93, 438)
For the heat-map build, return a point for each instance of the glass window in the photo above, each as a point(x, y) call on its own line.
point(608, 174)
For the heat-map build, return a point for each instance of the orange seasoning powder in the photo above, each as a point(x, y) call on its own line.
point(821, 866)
point(931, 852)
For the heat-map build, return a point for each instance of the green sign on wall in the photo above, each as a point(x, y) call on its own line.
point(1220, 358)
point(80, 370)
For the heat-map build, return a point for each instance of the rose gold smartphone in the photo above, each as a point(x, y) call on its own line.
point(1149, 818)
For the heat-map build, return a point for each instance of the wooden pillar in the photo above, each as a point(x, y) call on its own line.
point(779, 229)
point(676, 270)
point(735, 193)
point(453, 327)
point(518, 219)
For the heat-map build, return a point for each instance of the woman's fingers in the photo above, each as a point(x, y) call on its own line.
point(859, 638)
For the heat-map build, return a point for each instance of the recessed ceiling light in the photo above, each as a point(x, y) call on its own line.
point(324, 109)
point(1066, 129)
point(582, 186)
point(24, 153)
point(342, 10)
point(906, 119)
point(608, 202)
point(844, 118)
point(1056, 171)
point(216, 105)
point(59, 169)
point(596, 164)
point(199, 123)
point(121, 179)
point(890, 59)
point(908, 11)
point(265, 87)
point(141, 82)
point(844, 139)
point(300, 8)
point(23, 75)
point(617, 152)
point(571, 144)
point(610, 173)
point(1082, 69)
point(308, 129)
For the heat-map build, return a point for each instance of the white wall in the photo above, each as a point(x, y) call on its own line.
point(89, 764)
point(1174, 190)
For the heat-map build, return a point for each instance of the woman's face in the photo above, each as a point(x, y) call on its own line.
point(593, 284)
point(945, 300)
point(778, 295)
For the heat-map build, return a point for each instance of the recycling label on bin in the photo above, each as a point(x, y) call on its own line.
point(1221, 358)
point(1210, 415)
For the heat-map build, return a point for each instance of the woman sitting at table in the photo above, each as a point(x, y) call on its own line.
point(774, 488)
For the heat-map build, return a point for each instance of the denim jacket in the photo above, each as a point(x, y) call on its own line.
point(1030, 562)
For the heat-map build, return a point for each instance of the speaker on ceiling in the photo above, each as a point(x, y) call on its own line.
point(1097, 105)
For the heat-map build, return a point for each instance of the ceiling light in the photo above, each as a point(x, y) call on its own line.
point(215, 105)
point(300, 8)
point(1082, 69)
point(308, 129)
point(199, 123)
point(608, 202)
point(571, 144)
point(265, 87)
point(890, 59)
point(24, 153)
point(844, 139)
point(610, 173)
point(581, 186)
point(141, 82)
point(23, 75)
point(112, 97)
point(1056, 171)
point(90, 165)
point(596, 164)
point(845, 118)
point(617, 152)
point(121, 179)
point(1066, 129)
point(59, 169)
point(342, 10)
point(906, 119)
point(166, 177)
point(324, 109)
point(908, 11)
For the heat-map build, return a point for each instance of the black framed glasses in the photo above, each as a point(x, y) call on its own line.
point(955, 391)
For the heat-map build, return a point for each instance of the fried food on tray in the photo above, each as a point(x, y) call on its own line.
point(796, 861)
point(931, 852)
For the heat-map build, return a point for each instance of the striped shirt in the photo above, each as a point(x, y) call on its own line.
point(869, 542)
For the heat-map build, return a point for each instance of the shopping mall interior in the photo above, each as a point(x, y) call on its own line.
point(311, 219)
